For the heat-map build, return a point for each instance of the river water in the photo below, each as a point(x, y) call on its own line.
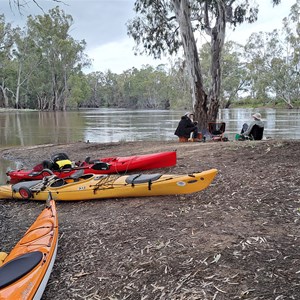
point(25, 128)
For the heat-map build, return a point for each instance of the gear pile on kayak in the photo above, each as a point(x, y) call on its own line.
point(61, 166)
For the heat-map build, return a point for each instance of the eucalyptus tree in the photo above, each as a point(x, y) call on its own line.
point(7, 69)
point(94, 81)
point(19, 4)
point(79, 90)
point(179, 86)
point(292, 58)
point(146, 88)
point(272, 67)
point(234, 79)
point(260, 50)
point(165, 25)
point(62, 56)
point(27, 60)
point(106, 90)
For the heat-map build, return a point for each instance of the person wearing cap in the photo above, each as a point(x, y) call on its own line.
point(246, 130)
point(186, 125)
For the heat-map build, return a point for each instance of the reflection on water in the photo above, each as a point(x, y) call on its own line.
point(130, 125)
point(115, 125)
point(24, 128)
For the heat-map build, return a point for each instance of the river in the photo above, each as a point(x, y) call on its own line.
point(25, 128)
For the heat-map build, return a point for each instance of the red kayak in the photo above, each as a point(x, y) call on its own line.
point(61, 166)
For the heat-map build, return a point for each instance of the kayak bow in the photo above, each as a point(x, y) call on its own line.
point(26, 269)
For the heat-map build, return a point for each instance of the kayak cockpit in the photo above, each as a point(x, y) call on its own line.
point(19, 267)
point(142, 178)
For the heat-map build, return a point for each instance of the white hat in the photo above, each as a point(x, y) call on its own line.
point(257, 116)
point(188, 113)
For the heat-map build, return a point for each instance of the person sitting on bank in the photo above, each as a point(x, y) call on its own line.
point(246, 129)
point(187, 125)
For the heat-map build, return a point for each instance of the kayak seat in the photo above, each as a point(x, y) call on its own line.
point(19, 267)
point(142, 178)
point(57, 183)
point(77, 176)
point(27, 184)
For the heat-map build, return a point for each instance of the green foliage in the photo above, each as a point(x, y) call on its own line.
point(145, 88)
point(154, 28)
point(7, 68)
point(61, 54)
point(41, 65)
point(79, 90)
point(234, 79)
point(44, 58)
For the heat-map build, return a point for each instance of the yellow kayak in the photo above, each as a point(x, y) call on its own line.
point(91, 186)
point(25, 271)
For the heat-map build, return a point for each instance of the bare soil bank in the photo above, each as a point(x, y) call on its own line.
point(238, 239)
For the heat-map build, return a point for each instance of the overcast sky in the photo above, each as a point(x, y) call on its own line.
point(101, 23)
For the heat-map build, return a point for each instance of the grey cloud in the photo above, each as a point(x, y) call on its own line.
point(100, 22)
point(97, 22)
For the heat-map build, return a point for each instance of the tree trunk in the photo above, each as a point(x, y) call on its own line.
point(54, 105)
point(4, 95)
point(206, 107)
point(18, 85)
point(183, 16)
point(217, 42)
point(65, 93)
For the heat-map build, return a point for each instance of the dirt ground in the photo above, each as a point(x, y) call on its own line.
point(238, 239)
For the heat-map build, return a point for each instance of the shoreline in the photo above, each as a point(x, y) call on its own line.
point(244, 226)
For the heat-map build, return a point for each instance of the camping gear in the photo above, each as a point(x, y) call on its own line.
point(90, 186)
point(106, 165)
point(25, 271)
point(216, 131)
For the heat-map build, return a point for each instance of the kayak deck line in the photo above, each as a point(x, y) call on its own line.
point(91, 186)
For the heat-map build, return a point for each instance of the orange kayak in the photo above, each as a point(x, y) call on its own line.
point(25, 271)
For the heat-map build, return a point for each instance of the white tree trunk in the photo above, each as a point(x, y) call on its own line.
point(183, 16)
point(217, 42)
point(205, 106)
point(18, 84)
point(4, 94)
